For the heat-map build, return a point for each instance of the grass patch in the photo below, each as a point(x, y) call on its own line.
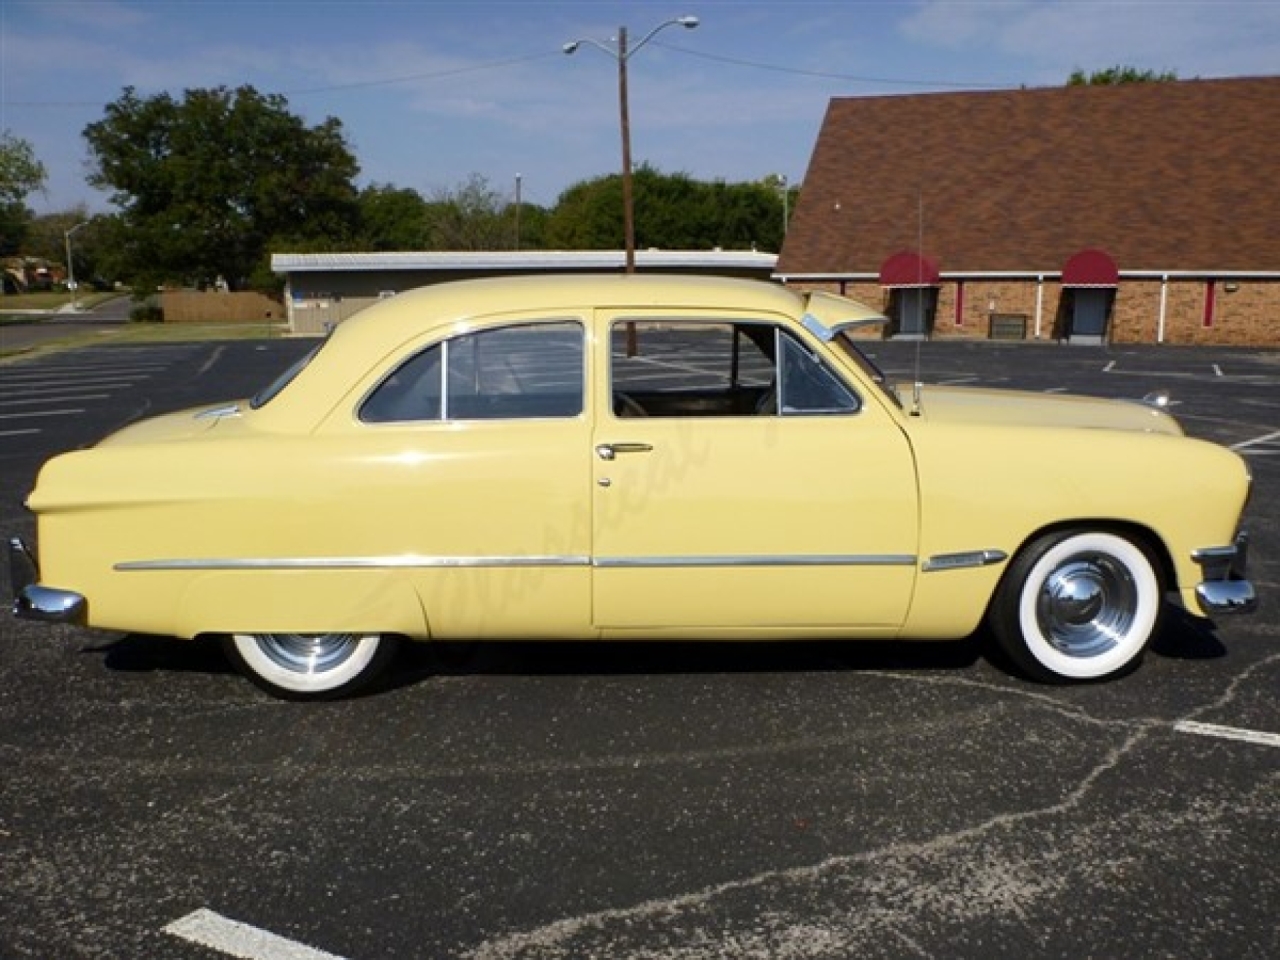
point(14, 306)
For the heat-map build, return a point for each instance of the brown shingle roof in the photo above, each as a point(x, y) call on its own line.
point(1165, 176)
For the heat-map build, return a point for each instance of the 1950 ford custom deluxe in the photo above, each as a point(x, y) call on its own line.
point(631, 457)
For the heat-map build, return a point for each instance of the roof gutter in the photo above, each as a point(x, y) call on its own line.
point(1054, 275)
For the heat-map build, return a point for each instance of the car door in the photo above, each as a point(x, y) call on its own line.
point(470, 456)
point(743, 485)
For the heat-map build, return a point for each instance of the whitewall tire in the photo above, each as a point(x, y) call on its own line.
point(1078, 605)
point(310, 666)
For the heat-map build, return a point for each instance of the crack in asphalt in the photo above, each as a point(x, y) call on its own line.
point(992, 885)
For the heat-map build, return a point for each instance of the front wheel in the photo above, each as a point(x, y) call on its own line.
point(1077, 605)
point(310, 666)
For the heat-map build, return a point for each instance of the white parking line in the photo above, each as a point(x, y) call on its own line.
point(48, 384)
point(17, 433)
point(209, 929)
point(27, 403)
point(40, 413)
point(1228, 733)
point(1244, 445)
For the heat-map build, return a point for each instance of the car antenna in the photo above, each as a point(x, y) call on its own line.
point(916, 384)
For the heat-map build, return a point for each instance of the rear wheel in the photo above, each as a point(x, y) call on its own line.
point(311, 666)
point(1078, 605)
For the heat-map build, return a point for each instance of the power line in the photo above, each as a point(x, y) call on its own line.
point(436, 75)
point(822, 75)
point(515, 61)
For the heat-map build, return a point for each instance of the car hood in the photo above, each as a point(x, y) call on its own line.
point(1022, 408)
point(181, 425)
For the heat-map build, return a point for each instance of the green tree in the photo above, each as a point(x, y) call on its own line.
point(20, 174)
point(672, 211)
point(1114, 76)
point(392, 218)
point(207, 186)
point(47, 240)
point(472, 216)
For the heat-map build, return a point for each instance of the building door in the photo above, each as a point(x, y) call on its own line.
point(912, 310)
point(1089, 315)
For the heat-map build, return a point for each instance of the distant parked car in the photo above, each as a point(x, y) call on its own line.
point(631, 457)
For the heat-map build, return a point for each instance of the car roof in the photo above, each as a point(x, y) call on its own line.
point(459, 300)
point(370, 336)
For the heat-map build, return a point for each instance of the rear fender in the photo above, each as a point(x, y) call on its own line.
point(301, 601)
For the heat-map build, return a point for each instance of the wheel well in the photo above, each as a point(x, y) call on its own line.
point(1144, 536)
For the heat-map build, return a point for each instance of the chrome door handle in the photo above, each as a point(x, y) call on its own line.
point(609, 451)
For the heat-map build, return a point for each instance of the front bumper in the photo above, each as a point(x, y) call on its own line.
point(31, 601)
point(1225, 589)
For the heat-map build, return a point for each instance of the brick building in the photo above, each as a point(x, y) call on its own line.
point(1139, 213)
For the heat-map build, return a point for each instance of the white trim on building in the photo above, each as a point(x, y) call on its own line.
point(323, 289)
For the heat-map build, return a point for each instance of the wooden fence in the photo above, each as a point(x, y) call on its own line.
point(215, 307)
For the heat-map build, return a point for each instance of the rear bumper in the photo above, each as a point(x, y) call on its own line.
point(31, 600)
point(1225, 589)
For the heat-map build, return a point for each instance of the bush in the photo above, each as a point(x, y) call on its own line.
point(146, 313)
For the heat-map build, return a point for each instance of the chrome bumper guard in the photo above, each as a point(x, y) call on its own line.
point(1225, 589)
point(31, 601)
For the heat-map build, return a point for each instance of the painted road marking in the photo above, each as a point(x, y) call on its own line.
point(209, 929)
point(27, 403)
point(1246, 446)
point(41, 413)
point(1228, 733)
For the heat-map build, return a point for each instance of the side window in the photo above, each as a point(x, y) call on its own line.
point(413, 392)
point(689, 368)
point(527, 371)
point(807, 385)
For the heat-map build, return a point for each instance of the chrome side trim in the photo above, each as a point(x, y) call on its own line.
point(423, 562)
point(219, 413)
point(765, 560)
point(410, 561)
point(964, 561)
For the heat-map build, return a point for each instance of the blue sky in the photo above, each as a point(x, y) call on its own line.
point(431, 92)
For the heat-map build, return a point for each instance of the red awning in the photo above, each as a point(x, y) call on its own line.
point(908, 269)
point(1091, 268)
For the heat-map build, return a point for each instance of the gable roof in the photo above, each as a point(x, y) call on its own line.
point(1177, 175)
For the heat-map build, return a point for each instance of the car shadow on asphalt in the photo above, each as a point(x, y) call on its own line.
point(632, 657)
point(1184, 637)
point(142, 653)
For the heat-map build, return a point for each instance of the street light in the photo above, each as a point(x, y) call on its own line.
point(71, 270)
point(782, 182)
point(518, 178)
point(622, 54)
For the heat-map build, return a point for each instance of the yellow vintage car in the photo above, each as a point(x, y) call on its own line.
point(623, 458)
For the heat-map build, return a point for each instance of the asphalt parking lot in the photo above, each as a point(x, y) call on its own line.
point(643, 801)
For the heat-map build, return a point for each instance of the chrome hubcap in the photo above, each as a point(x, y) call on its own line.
point(307, 652)
point(1087, 605)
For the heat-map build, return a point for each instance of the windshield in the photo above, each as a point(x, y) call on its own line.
point(271, 390)
point(849, 347)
